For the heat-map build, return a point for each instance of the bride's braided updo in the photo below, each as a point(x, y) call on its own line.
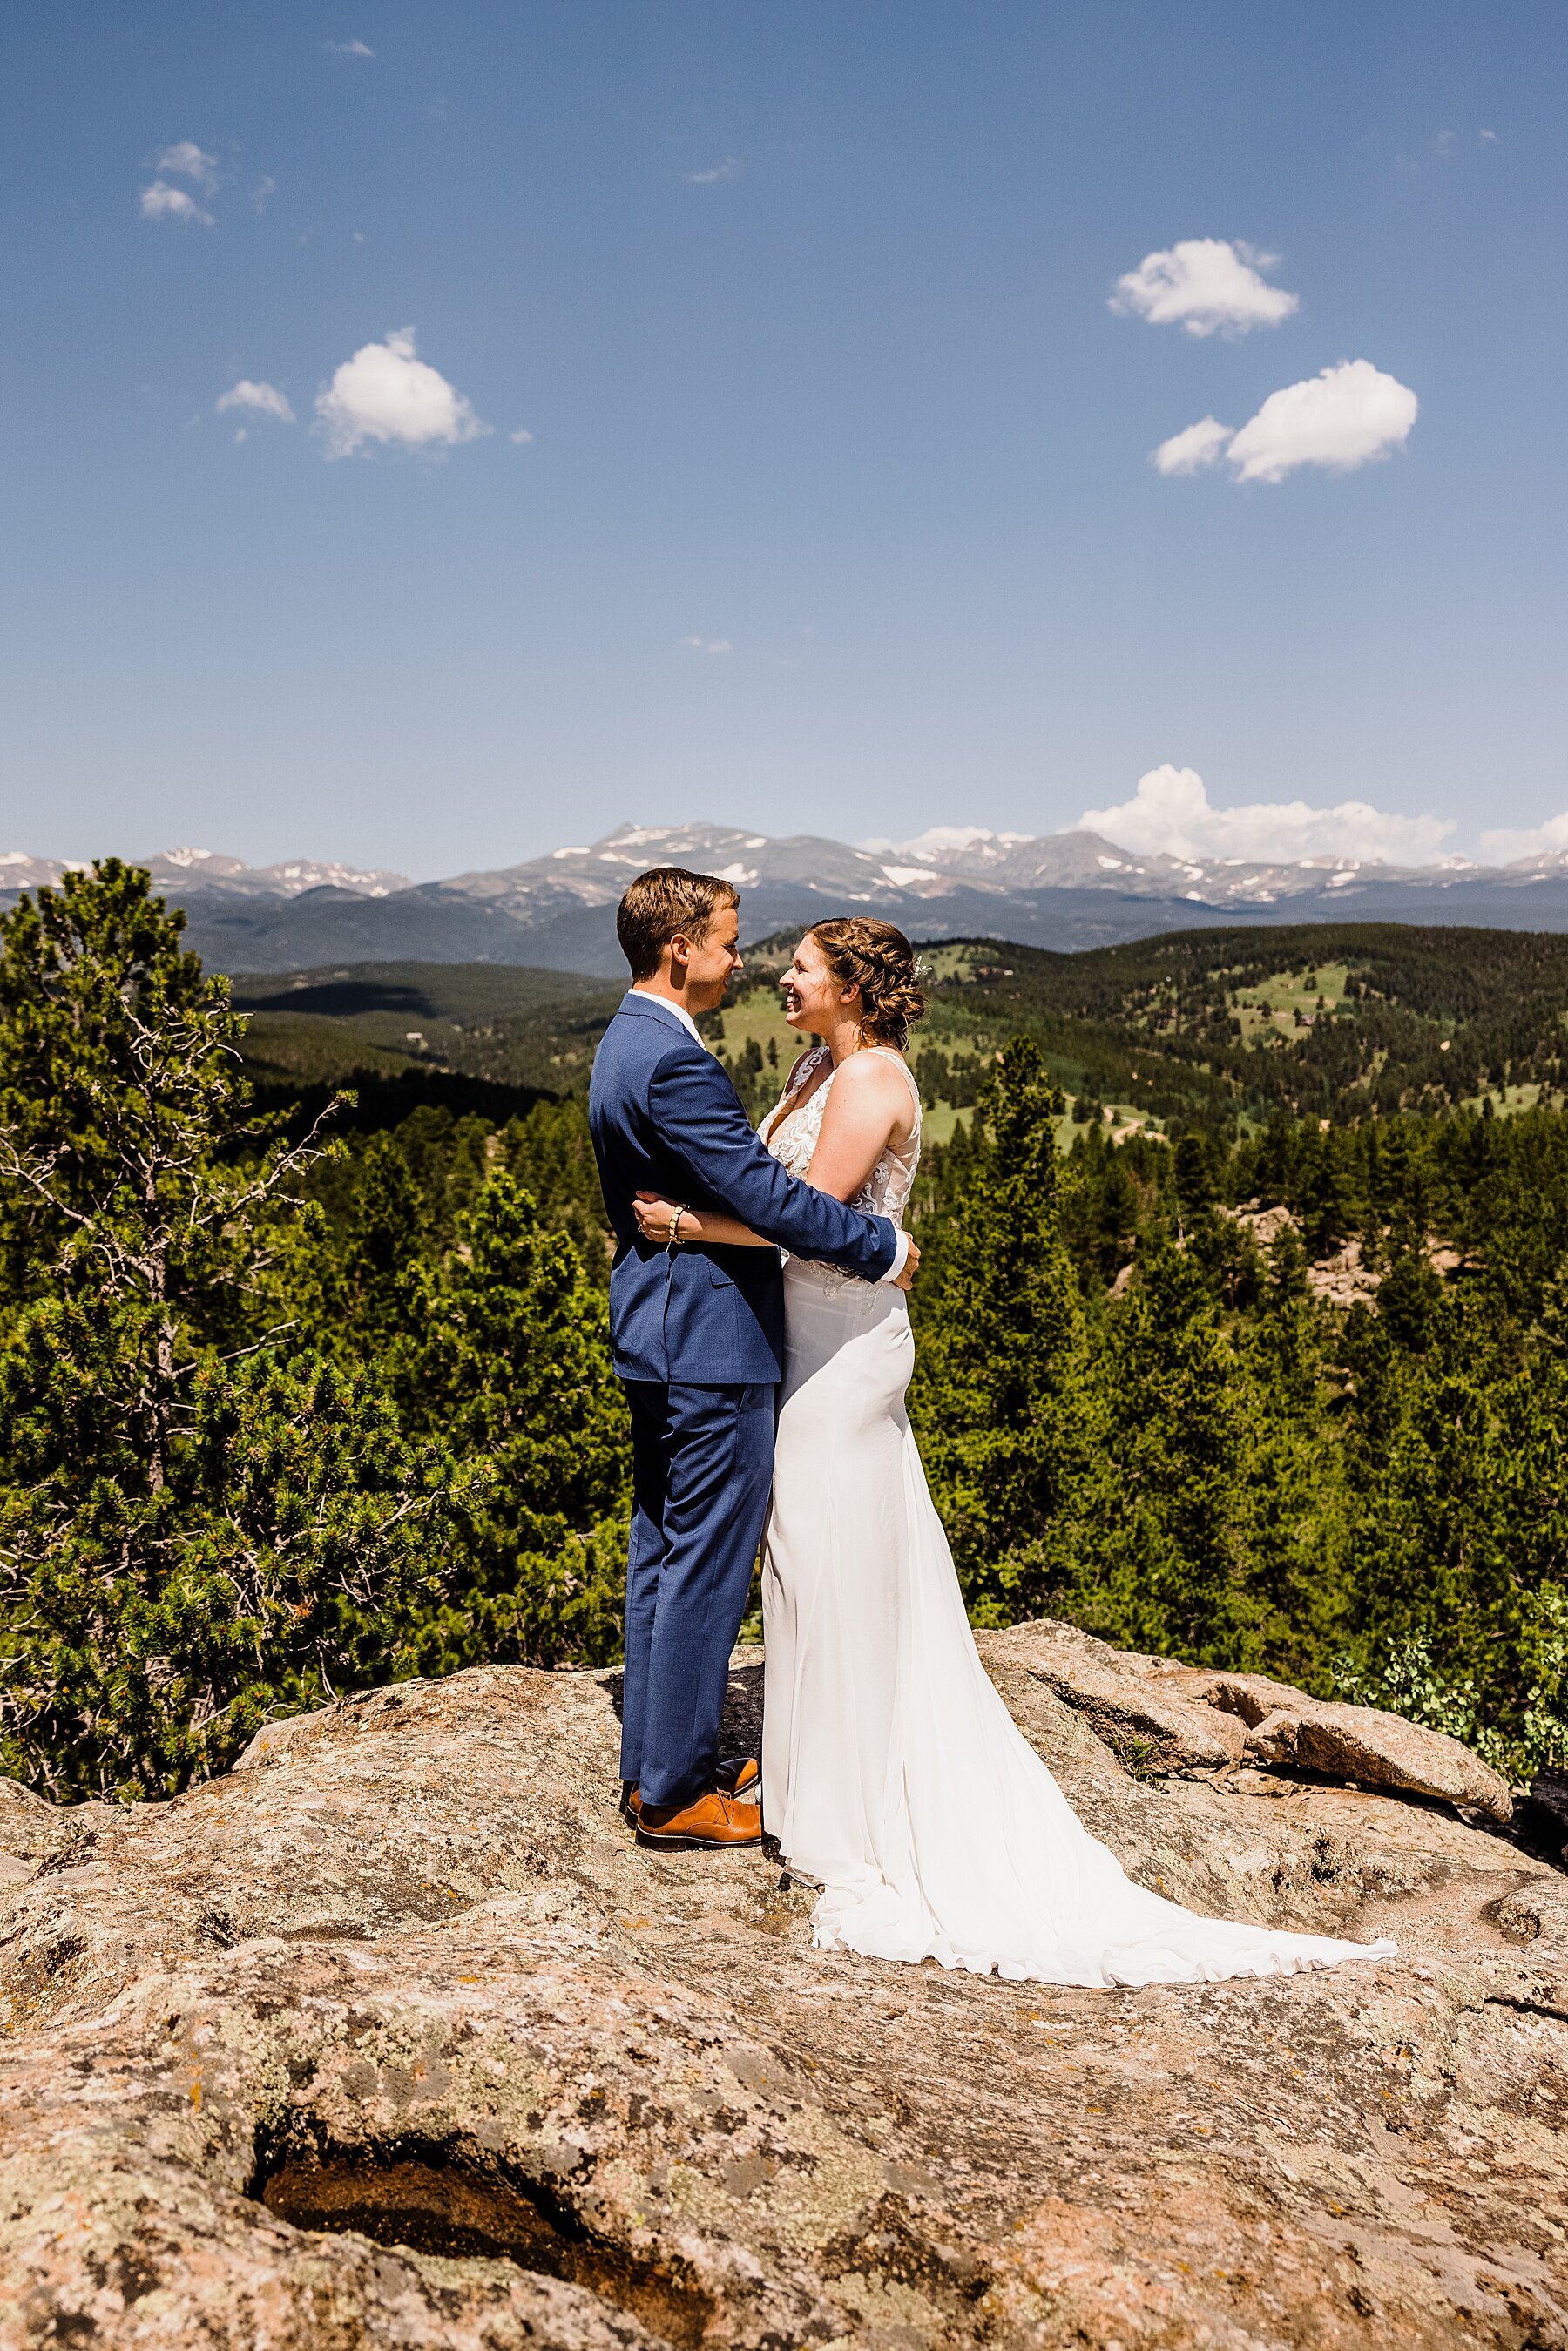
point(879, 960)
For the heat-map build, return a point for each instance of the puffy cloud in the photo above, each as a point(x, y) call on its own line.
point(1349, 415)
point(1206, 286)
point(257, 399)
point(386, 393)
point(709, 644)
point(186, 161)
point(1170, 814)
point(728, 170)
point(1201, 444)
point(520, 435)
point(1541, 841)
point(161, 202)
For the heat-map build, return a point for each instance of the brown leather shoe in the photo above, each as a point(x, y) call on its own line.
point(737, 1775)
point(713, 1822)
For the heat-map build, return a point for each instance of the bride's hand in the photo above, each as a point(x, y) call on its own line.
point(655, 1216)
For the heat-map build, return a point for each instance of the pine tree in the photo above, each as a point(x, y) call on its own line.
point(388, 1228)
point(1459, 1462)
point(147, 1633)
point(1156, 1523)
point(508, 1357)
point(193, 1531)
point(1291, 1595)
point(1000, 1340)
point(550, 1152)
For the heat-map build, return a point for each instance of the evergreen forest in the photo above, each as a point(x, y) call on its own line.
point(1242, 1323)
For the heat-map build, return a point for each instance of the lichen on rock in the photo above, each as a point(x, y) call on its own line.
point(393, 2036)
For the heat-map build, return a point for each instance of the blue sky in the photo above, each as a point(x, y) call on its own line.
point(806, 309)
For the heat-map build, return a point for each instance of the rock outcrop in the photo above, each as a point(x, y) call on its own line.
point(1157, 1713)
point(393, 2037)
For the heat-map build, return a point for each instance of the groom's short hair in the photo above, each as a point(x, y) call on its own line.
point(663, 902)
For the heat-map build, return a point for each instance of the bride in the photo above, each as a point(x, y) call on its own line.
point(892, 1776)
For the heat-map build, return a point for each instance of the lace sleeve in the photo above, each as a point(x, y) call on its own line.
point(792, 1085)
point(803, 1070)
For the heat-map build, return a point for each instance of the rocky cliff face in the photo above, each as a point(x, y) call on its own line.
point(393, 2037)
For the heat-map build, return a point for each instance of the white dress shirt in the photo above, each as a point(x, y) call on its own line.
point(678, 1012)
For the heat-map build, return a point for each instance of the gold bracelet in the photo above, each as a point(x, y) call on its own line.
point(674, 1241)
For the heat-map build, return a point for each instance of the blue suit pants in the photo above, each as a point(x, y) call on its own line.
point(702, 1470)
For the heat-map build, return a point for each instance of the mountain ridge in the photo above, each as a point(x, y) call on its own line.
point(213, 870)
point(1071, 890)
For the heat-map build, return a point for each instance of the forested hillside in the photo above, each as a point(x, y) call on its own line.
point(1214, 1029)
point(300, 1392)
point(1225, 1027)
point(508, 1025)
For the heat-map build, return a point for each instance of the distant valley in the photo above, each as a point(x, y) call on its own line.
point(1066, 890)
point(1214, 1029)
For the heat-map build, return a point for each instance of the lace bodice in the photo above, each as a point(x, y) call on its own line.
point(791, 1134)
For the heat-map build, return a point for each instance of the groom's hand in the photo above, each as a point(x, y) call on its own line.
point(904, 1280)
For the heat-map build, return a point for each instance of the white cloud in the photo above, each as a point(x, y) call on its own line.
point(709, 644)
point(1201, 444)
point(348, 48)
point(1541, 841)
point(260, 399)
point(1489, 135)
point(161, 202)
point(263, 191)
point(521, 434)
point(189, 162)
point(1347, 416)
point(1444, 142)
point(728, 170)
point(1170, 814)
point(1206, 285)
point(386, 393)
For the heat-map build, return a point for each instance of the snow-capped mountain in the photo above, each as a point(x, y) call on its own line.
point(210, 871)
point(1063, 890)
point(182, 870)
point(20, 872)
point(596, 874)
point(1084, 860)
point(308, 874)
point(944, 863)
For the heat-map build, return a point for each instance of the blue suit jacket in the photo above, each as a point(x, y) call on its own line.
point(666, 1119)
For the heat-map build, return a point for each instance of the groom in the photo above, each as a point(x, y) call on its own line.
point(699, 1339)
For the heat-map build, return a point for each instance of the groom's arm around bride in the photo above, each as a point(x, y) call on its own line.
point(699, 1339)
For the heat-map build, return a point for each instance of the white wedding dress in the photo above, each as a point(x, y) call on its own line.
point(892, 1772)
